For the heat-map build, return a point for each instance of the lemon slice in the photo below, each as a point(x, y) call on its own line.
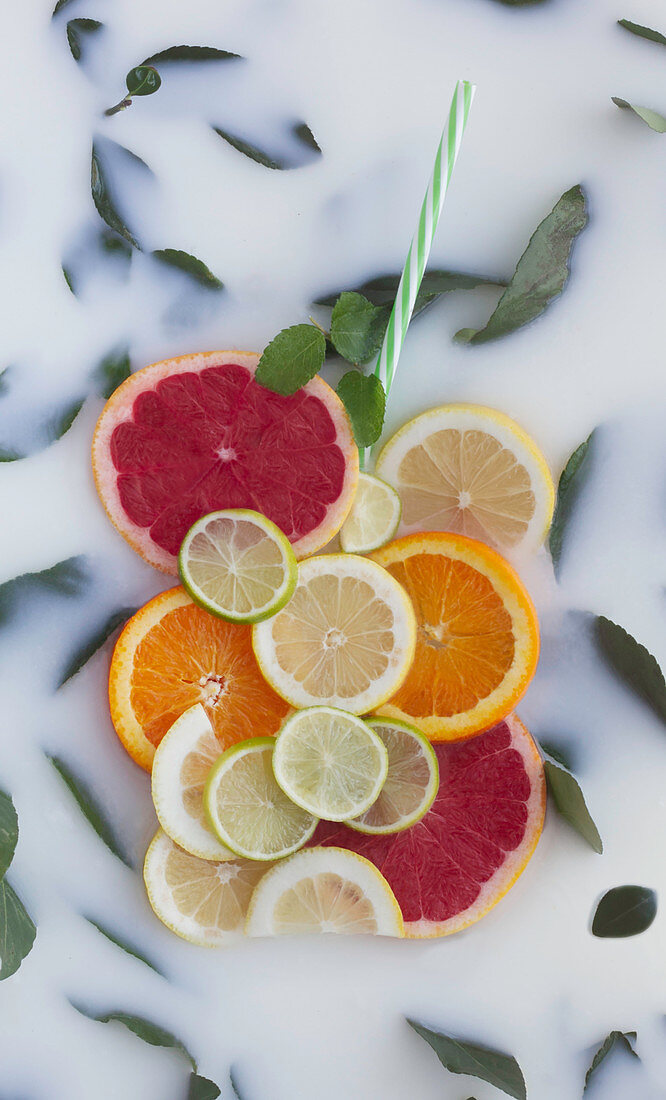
point(247, 809)
point(346, 639)
point(181, 765)
point(411, 783)
point(238, 565)
point(204, 902)
point(324, 890)
point(470, 470)
point(374, 516)
point(330, 762)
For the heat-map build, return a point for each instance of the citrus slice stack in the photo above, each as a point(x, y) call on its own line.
point(412, 779)
point(477, 641)
point(470, 470)
point(195, 434)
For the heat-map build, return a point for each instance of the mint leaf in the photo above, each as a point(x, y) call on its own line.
point(291, 359)
point(570, 803)
point(642, 32)
point(364, 399)
point(460, 1056)
point(252, 151)
point(17, 931)
point(304, 134)
point(234, 1085)
point(111, 371)
point(8, 832)
point(69, 278)
point(128, 948)
point(193, 267)
point(95, 641)
point(104, 201)
point(8, 454)
point(381, 291)
point(617, 1039)
point(570, 484)
point(66, 578)
point(192, 53)
point(114, 245)
point(653, 119)
point(358, 327)
point(143, 80)
point(633, 663)
point(77, 29)
point(624, 911)
point(89, 807)
point(64, 420)
point(202, 1089)
point(541, 273)
point(144, 1029)
point(59, 6)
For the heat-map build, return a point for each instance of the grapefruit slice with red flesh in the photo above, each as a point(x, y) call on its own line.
point(455, 864)
point(195, 434)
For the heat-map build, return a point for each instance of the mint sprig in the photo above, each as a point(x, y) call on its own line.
point(292, 359)
point(365, 400)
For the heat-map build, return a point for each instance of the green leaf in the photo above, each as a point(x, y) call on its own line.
point(64, 420)
point(460, 1056)
point(192, 53)
point(95, 641)
point(304, 134)
point(17, 931)
point(66, 578)
point(291, 359)
point(104, 203)
point(234, 1085)
point(114, 245)
point(570, 803)
point(8, 454)
point(364, 399)
point(202, 1089)
point(358, 327)
point(633, 663)
point(622, 1039)
point(59, 6)
point(89, 807)
point(9, 832)
point(113, 369)
point(69, 278)
point(128, 948)
point(559, 754)
point(642, 32)
point(144, 1029)
point(570, 484)
point(541, 273)
point(624, 911)
point(653, 119)
point(252, 151)
point(381, 291)
point(76, 31)
point(143, 80)
point(193, 267)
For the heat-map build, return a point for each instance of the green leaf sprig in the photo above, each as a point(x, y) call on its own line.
point(633, 663)
point(253, 152)
point(569, 801)
point(142, 80)
point(462, 1056)
point(90, 808)
point(623, 1040)
point(104, 201)
point(77, 30)
point(94, 642)
point(569, 487)
point(17, 929)
point(642, 32)
point(624, 911)
point(191, 53)
point(190, 265)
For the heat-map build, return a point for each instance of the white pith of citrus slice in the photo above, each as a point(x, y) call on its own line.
point(330, 762)
point(204, 902)
point(247, 809)
point(181, 765)
point(374, 517)
point(411, 784)
point(237, 564)
point(473, 471)
point(346, 638)
point(324, 890)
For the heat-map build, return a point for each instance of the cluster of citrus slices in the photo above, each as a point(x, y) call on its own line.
point(330, 736)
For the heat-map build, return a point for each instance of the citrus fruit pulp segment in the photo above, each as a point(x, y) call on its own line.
point(470, 470)
point(345, 639)
point(450, 868)
point(411, 782)
point(181, 765)
point(248, 810)
point(330, 762)
point(374, 516)
point(324, 890)
point(204, 902)
point(478, 639)
point(238, 565)
point(173, 654)
point(195, 434)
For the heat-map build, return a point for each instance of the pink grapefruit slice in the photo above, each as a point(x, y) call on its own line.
point(455, 864)
point(196, 434)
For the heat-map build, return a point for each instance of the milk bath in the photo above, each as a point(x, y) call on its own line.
point(324, 1020)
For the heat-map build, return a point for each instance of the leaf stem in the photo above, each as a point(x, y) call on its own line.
point(127, 102)
point(320, 327)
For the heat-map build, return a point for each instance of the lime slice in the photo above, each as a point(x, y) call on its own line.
point(330, 762)
point(411, 784)
point(374, 516)
point(181, 765)
point(324, 890)
point(248, 810)
point(238, 565)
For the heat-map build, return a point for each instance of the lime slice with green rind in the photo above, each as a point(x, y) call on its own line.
point(411, 784)
point(374, 517)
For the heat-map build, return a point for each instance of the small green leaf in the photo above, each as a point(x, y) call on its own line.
point(621, 1039)
point(95, 641)
point(234, 1085)
point(643, 32)
point(8, 454)
point(201, 1088)
point(304, 134)
point(17, 931)
point(624, 911)
point(64, 420)
point(9, 832)
point(128, 948)
point(541, 273)
point(144, 1029)
point(570, 803)
point(291, 359)
point(570, 484)
point(633, 663)
point(114, 245)
point(104, 203)
point(59, 6)
point(192, 53)
point(69, 279)
point(89, 807)
point(382, 290)
point(365, 400)
point(111, 371)
point(358, 327)
point(193, 267)
point(653, 119)
point(66, 578)
point(76, 31)
point(143, 80)
point(558, 753)
point(252, 151)
point(460, 1056)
